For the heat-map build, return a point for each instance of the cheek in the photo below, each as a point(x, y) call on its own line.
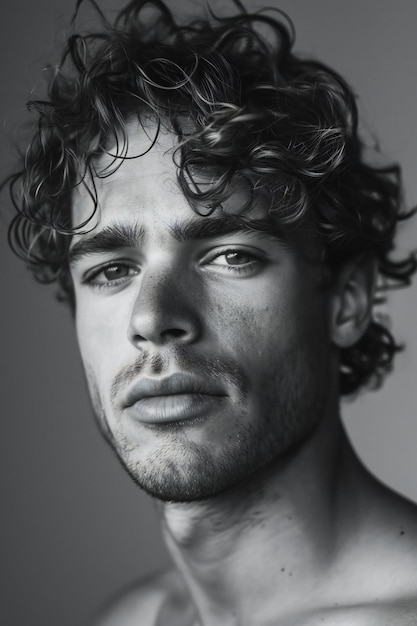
point(88, 336)
point(275, 324)
point(258, 315)
point(100, 334)
point(233, 308)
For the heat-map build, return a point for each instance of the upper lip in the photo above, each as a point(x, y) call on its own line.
point(178, 383)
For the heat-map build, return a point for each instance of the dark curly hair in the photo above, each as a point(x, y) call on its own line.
point(245, 108)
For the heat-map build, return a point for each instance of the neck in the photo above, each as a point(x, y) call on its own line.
point(266, 541)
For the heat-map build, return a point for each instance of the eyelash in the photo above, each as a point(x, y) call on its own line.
point(245, 268)
point(90, 279)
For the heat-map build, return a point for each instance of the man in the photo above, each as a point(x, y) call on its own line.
point(199, 194)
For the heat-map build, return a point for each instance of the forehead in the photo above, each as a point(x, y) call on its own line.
point(144, 176)
point(141, 188)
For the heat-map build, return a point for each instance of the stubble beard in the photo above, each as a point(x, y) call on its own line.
point(181, 470)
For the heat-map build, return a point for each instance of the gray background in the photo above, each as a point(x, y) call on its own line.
point(73, 527)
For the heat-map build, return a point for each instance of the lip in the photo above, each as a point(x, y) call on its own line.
point(175, 398)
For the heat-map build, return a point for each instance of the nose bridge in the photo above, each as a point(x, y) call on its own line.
point(163, 309)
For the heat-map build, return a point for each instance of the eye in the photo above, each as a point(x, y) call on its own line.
point(233, 257)
point(111, 275)
point(236, 261)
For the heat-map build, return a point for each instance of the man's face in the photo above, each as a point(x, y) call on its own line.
point(206, 348)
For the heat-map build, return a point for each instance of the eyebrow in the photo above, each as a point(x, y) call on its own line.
point(117, 236)
point(108, 239)
point(209, 227)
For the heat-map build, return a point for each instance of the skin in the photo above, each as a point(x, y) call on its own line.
point(268, 514)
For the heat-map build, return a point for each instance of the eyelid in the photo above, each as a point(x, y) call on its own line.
point(251, 267)
point(91, 274)
point(217, 251)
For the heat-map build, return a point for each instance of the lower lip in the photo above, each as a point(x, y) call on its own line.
point(173, 408)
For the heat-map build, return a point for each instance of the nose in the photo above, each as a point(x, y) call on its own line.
point(164, 311)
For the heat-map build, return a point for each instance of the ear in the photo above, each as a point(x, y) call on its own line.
point(352, 300)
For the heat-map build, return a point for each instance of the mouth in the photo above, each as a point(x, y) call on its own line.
point(173, 408)
point(174, 399)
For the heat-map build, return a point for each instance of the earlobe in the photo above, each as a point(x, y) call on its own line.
point(352, 300)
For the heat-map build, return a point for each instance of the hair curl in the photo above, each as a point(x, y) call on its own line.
point(244, 107)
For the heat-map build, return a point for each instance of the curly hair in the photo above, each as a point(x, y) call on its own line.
point(243, 107)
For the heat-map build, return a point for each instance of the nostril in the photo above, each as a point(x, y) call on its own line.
point(138, 338)
point(174, 332)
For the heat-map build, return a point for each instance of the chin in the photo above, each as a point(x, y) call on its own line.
point(196, 475)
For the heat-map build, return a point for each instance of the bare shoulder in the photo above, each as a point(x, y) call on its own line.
point(399, 613)
point(145, 602)
point(376, 583)
point(385, 553)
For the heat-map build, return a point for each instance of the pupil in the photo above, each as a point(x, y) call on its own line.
point(235, 258)
point(115, 271)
